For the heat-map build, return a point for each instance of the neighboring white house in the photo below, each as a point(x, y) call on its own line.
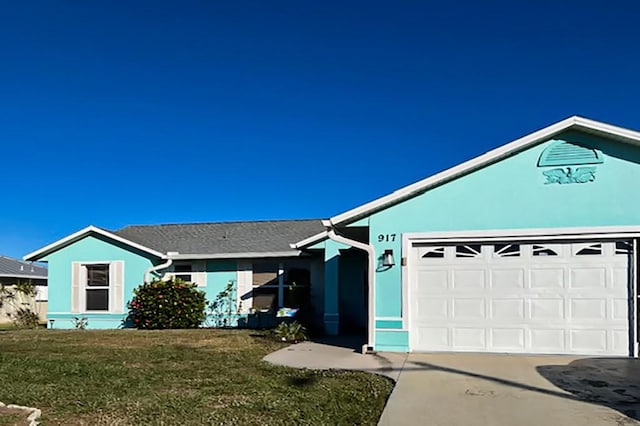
point(13, 271)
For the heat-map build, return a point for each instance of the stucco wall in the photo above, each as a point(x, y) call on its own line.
point(510, 194)
point(91, 249)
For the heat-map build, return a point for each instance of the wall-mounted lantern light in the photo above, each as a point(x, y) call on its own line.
point(387, 258)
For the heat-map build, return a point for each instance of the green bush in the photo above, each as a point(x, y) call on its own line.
point(167, 304)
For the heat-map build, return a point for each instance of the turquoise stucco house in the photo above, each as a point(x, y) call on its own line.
point(528, 248)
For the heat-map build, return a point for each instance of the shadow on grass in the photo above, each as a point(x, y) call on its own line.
point(302, 382)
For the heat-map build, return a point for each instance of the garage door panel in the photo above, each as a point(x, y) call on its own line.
point(547, 340)
point(546, 309)
point(436, 338)
point(541, 278)
point(507, 310)
point(472, 279)
point(502, 279)
point(620, 278)
point(473, 309)
point(430, 308)
point(620, 341)
point(525, 298)
point(588, 309)
point(469, 338)
point(588, 278)
point(432, 280)
point(508, 339)
point(588, 341)
point(620, 309)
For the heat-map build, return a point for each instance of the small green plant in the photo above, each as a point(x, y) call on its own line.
point(167, 304)
point(80, 323)
point(290, 332)
point(223, 309)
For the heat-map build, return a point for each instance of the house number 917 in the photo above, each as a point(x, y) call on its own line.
point(386, 238)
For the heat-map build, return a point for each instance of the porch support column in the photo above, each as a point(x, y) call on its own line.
point(331, 290)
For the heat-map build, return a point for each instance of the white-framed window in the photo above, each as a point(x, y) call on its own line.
point(97, 287)
point(191, 272)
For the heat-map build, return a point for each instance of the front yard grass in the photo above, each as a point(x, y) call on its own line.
point(181, 377)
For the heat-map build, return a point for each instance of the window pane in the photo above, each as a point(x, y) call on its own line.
point(97, 275)
point(471, 250)
point(265, 298)
point(97, 300)
point(506, 250)
point(182, 268)
point(183, 277)
point(543, 251)
point(265, 274)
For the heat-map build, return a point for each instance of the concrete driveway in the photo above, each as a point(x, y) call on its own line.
point(479, 389)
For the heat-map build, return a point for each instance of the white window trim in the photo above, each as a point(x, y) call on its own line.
point(198, 272)
point(83, 287)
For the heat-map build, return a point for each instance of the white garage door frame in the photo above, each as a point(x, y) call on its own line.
point(528, 235)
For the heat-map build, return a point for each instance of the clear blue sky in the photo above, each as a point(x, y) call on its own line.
point(116, 113)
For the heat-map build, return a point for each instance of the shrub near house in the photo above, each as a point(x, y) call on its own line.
point(169, 304)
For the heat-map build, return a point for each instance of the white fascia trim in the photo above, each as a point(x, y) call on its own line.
point(589, 233)
point(246, 255)
point(29, 277)
point(492, 156)
point(81, 233)
point(311, 240)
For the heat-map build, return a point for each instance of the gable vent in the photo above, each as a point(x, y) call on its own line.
point(562, 153)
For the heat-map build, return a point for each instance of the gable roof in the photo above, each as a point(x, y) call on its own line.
point(572, 123)
point(202, 240)
point(224, 239)
point(10, 267)
point(70, 239)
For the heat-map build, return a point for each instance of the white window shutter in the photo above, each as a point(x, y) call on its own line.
point(200, 274)
point(116, 286)
point(76, 286)
point(244, 286)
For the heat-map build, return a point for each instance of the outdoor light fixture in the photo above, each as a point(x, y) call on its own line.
point(387, 258)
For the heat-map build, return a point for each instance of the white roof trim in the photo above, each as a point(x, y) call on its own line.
point(574, 122)
point(492, 156)
point(311, 240)
point(80, 234)
point(245, 255)
point(29, 277)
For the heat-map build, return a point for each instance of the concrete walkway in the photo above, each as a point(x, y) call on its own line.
point(340, 354)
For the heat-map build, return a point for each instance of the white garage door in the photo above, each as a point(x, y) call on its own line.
point(556, 298)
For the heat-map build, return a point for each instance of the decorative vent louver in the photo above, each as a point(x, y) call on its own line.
point(562, 153)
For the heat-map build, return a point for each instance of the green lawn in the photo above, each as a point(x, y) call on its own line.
point(124, 377)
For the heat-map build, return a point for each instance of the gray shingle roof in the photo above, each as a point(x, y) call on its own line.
point(223, 237)
point(10, 267)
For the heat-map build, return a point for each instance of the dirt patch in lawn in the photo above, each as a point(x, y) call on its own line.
point(13, 417)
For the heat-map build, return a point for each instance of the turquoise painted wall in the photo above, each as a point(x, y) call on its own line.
point(219, 274)
point(91, 249)
point(510, 194)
